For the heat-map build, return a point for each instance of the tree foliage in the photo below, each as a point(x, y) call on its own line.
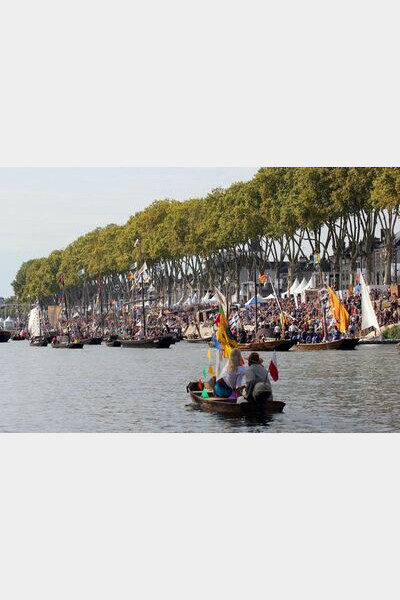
point(289, 212)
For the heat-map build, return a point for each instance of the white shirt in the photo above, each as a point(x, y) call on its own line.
point(234, 380)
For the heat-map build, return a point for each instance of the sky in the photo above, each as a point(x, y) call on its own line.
point(44, 209)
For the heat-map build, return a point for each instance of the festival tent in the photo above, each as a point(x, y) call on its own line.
point(256, 300)
point(292, 289)
point(191, 301)
point(9, 324)
point(301, 287)
point(308, 287)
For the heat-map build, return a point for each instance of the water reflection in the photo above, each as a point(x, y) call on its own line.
point(124, 390)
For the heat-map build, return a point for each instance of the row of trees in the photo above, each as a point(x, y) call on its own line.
point(282, 214)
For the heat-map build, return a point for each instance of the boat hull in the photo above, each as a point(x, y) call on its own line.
point(4, 336)
point(114, 344)
point(162, 342)
point(39, 343)
point(71, 346)
point(270, 346)
point(349, 344)
point(315, 347)
point(197, 340)
point(94, 341)
point(216, 405)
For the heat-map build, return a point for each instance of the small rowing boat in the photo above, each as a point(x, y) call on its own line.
point(197, 340)
point(231, 407)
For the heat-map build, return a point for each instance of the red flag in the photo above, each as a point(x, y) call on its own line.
point(273, 367)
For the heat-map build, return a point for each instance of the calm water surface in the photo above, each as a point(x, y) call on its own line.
point(100, 389)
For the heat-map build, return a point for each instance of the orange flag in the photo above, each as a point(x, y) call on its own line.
point(339, 312)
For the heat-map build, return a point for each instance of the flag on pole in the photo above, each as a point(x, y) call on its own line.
point(273, 367)
point(339, 312)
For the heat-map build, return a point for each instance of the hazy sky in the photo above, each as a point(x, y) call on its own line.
point(44, 209)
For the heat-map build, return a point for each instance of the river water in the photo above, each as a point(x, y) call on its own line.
point(100, 389)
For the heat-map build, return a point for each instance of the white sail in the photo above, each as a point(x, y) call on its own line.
point(368, 313)
point(34, 323)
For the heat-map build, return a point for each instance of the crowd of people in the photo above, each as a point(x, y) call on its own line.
point(291, 319)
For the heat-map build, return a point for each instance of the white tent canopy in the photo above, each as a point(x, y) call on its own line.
point(191, 301)
point(301, 287)
point(308, 287)
point(9, 324)
point(292, 289)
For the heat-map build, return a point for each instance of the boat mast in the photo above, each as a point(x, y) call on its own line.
point(143, 307)
point(101, 307)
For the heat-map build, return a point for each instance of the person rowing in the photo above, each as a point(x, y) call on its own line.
point(258, 385)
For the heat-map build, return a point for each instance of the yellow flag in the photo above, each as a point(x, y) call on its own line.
point(209, 354)
point(211, 370)
point(339, 312)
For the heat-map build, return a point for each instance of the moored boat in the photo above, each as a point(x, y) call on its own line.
point(232, 408)
point(320, 346)
point(4, 336)
point(67, 345)
point(159, 342)
point(39, 342)
point(93, 341)
point(268, 346)
point(113, 342)
point(197, 340)
point(348, 343)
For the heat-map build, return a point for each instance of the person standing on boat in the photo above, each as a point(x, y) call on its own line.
point(232, 375)
point(258, 384)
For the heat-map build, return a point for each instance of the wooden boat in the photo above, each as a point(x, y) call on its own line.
point(377, 341)
point(113, 342)
point(348, 343)
point(164, 341)
point(269, 346)
point(4, 336)
point(93, 341)
point(197, 340)
point(231, 408)
point(68, 346)
point(321, 346)
point(39, 343)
